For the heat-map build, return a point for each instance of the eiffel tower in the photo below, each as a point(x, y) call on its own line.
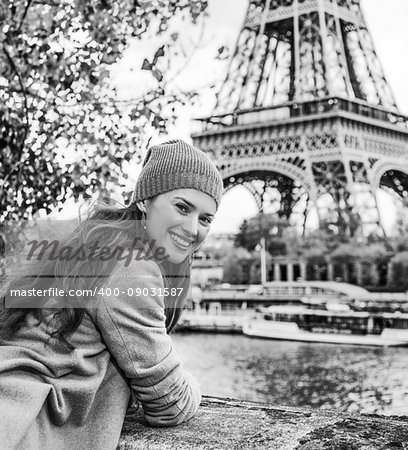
point(305, 119)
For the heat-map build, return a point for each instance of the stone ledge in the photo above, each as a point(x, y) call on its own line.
point(223, 423)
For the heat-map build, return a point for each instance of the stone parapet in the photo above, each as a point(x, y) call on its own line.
point(223, 423)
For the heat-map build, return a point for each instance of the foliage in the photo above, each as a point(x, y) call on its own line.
point(232, 271)
point(376, 252)
point(268, 226)
point(315, 257)
point(320, 240)
point(400, 237)
point(58, 99)
point(237, 266)
point(217, 248)
point(400, 270)
point(316, 264)
point(359, 260)
point(346, 254)
point(313, 249)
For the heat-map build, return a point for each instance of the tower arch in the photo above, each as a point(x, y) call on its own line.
point(233, 169)
point(393, 176)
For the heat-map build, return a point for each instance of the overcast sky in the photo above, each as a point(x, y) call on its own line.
point(386, 20)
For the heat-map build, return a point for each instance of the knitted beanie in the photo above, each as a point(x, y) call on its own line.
point(177, 165)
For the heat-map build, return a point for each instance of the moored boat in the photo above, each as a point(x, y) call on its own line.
point(335, 326)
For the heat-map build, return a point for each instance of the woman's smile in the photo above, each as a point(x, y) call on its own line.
point(180, 242)
point(179, 221)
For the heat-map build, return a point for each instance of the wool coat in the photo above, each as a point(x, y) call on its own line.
point(55, 398)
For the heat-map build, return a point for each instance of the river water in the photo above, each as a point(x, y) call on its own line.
point(350, 378)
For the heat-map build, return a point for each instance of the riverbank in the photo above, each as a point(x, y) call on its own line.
point(223, 423)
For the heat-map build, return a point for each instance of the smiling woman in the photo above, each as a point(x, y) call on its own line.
point(189, 187)
point(68, 372)
point(179, 221)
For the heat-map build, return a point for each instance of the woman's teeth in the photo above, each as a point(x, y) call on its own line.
point(179, 240)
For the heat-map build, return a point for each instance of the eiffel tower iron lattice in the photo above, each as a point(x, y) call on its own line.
point(305, 118)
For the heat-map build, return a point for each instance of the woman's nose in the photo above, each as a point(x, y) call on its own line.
point(191, 227)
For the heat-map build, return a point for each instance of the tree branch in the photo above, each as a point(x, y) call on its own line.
point(24, 15)
point(27, 120)
point(196, 45)
point(23, 90)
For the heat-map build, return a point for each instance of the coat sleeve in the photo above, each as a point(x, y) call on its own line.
point(133, 327)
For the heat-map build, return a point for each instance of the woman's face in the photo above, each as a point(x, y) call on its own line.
point(179, 221)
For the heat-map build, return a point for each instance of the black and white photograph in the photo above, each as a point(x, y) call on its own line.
point(203, 224)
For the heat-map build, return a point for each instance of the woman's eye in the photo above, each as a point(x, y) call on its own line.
point(207, 220)
point(182, 208)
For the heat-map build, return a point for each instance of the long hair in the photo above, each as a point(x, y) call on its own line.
point(116, 227)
